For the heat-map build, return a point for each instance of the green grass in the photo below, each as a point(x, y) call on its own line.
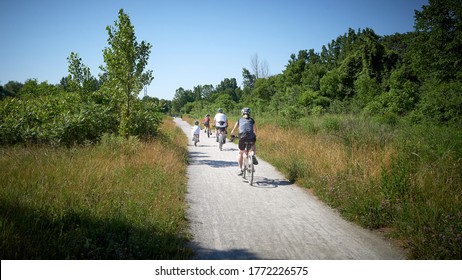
point(120, 199)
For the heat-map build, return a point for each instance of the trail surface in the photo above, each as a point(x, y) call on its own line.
point(273, 219)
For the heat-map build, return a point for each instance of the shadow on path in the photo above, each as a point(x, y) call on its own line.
point(196, 158)
point(263, 182)
point(231, 254)
point(215, 163)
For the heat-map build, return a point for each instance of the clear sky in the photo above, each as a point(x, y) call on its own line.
point(193, 42)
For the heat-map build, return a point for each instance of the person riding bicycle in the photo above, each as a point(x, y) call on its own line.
point(206, 122)
point(247, 133)
point(220, 122)
point(196, 130)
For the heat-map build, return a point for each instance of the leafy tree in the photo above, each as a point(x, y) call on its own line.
point(126, 60)
point(79, 79)
point(312, 75)
point(32, 88)
point(229, 87)
point(294, 70)
point(225, 102)
point(366, 88)
point(181, 98)
point(442, 102)
point(248, 79)
point(11, 88)
point(436, 52)
point(331, 84)
point(265, 89)
point(207, 91)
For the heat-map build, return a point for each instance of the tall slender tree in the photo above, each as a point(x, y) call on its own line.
point(126, 60)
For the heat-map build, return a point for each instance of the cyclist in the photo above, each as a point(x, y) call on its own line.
point(196, 130)
point(220, 121)
point(247, 133)
point(206, 122)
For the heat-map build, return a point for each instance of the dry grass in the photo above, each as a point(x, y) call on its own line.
point(121, 199)
point(405, 180)
point(321, 155)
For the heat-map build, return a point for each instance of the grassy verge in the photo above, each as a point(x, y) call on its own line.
point(404, 180)
point(121, 199)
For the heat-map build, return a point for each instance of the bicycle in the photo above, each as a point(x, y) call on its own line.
point(221, 138)
point(249, 169)
point(247, 161)
point(207, 130)
point(195, 139)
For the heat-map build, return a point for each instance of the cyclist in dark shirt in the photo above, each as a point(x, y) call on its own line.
point(247, 133)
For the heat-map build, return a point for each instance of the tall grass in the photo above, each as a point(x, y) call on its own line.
point(120, 199)
point(402, 179)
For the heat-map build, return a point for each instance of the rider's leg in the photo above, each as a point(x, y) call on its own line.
point(254, 153)
point(240, 159)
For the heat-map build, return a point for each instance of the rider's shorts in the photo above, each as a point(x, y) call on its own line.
point(242, 142)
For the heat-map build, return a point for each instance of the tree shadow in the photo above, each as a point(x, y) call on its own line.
point(35, 234)
point(263, 182)
point(201, 253)
point(215, 163)
point(193, 156)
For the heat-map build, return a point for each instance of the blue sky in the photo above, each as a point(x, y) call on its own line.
point(193, 42)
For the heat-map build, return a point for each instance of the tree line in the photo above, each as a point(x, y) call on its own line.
point(81, 108)
point(416, 75)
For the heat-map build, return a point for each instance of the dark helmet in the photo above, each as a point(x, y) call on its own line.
point(207, 115)
point(196, 122)
point(220, 110)
point(245, 111)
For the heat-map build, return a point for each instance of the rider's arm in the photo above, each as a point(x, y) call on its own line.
point(234, 128)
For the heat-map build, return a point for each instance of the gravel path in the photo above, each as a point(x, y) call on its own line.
point(273, 219)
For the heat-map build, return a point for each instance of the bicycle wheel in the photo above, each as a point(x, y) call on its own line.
point(220, 142)
point(208, 132)
point(251, 170)
point(195, 140)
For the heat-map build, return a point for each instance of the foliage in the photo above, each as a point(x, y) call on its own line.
point(126, 60)
point(55, 119)
point(391, 76)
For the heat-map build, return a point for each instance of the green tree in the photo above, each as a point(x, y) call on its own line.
point(248, 79)
point(229, 87)
point(366, 88)
point(181, 98)
point(79, 79)
point(294, 70)
point(11, 89)
point(126, 60)
point(436, 52)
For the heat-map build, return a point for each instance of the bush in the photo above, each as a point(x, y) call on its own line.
point(63, 119)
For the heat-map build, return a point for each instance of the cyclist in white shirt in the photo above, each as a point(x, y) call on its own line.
point(195, 130)
point(220, 121)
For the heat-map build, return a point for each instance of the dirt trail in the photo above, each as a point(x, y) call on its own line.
point(273, 219)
